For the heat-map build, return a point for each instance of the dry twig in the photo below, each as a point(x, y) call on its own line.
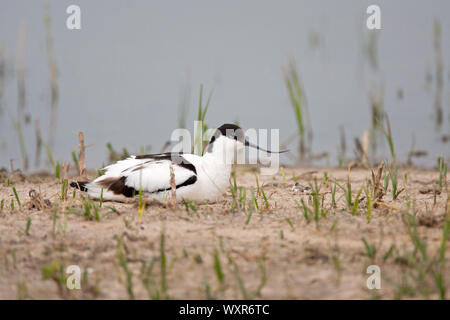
point(82, 155)
point(173, 199)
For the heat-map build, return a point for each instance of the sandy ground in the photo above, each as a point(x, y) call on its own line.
point(213, 253)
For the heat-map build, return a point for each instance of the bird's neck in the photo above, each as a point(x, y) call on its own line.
point(217, 170)
point(217, 167)
point(218, 154)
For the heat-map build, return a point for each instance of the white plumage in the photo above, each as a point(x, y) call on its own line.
point(153, 178)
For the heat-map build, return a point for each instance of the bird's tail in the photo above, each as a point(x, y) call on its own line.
point(79, 185)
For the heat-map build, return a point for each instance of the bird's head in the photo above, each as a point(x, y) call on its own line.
point(230, 138)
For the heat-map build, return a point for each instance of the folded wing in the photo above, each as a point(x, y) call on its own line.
point(150, 173)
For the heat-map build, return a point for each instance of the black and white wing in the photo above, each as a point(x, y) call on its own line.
point(149, 173)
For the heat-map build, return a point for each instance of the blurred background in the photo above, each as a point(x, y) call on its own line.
point(133, 72)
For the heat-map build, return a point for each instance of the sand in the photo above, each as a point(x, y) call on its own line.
point(278, 254)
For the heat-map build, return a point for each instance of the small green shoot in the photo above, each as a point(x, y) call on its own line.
point(58, 170)
point(250, 212)
point(266, 202)
point(218, 268)
point(233, 190)
point(238, 278)
point(290, 223)
point(255, 201)
point(123, 263)
point(101, 197)
point(141, 205)
point(389, 252)
point(258, 189)
point(242, 197)
point(64, 189)
point(442, 172)
point(370, 249)
point(54, 218)
point(17, 196)
point(282, 174)
point(163, 267)
point(189, 205)
point(394, 182)
point(316, 199)
point(325, 178)
point(333, 195)
point(55, 272)
point(369, 208)
point(96, 213)
point(27, 228)
point(262, 269)
point(306, 211)
point(75, 159)
point(356, 202)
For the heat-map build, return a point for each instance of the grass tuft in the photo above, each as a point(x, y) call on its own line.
point(123, 263)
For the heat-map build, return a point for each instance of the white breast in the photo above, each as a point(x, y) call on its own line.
point(212, 179)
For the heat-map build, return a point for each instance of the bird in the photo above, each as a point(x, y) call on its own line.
point(197, 178)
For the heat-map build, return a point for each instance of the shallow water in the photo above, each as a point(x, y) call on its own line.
point(122, 76)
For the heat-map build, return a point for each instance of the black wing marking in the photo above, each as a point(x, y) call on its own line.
point(176, 157)
point(118, 186)
point(188, 182)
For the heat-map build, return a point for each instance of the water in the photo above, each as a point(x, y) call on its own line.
point(122, 76)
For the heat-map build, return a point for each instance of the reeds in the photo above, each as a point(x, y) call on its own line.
point(18, 123)
point(371, 49)
point(37, 156)
point(377, 114)
point(53, 71)
point(2, 77)
point(388, 134)
point(201, 126)
point(23, 117)
point(437, 37)
point(298, 102)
